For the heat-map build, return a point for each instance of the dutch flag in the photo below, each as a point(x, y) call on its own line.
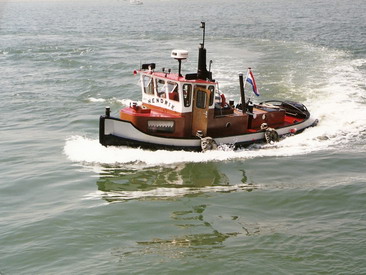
point(251, 81)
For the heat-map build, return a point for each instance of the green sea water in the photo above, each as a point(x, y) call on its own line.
point(71, 206)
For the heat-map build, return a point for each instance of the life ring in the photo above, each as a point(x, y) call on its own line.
point(271, 135)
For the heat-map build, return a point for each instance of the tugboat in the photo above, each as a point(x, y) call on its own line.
point(190, 112)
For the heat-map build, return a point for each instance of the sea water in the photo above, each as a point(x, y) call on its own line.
point(71, 206)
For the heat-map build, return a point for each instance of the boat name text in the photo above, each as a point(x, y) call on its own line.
point(161, 101)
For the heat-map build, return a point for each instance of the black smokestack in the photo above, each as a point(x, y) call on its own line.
point(202, 68)
point(202, 72)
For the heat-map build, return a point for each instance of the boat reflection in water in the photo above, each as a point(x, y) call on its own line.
point(187, 179)
point(190, 229)
point(195, 220)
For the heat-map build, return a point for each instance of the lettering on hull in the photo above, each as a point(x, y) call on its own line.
point(161, 101)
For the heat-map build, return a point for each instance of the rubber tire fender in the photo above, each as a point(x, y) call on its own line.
point(271, 135)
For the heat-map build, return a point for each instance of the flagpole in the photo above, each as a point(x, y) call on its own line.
point(242, 93)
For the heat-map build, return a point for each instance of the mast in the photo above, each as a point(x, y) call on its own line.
point(202, 72)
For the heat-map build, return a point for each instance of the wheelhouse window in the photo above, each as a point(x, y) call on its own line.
point(212, 94)
point(187, 94)
point(173, 90)
point(160, 88)
point(148, 85)
point(201, 99)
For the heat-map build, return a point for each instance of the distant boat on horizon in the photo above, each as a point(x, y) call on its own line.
point(136, 2)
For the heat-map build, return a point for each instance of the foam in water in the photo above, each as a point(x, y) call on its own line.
point(340, 106)
point(93, 99)
point(123, 102)
point(89, 151)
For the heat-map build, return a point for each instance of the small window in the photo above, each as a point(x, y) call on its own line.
point(201, 99)
point(173, 91)
point(160, 88)
point(187, 94)
point(212, 93)
point(148, 85)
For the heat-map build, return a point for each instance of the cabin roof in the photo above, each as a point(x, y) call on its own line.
point(175, 77)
